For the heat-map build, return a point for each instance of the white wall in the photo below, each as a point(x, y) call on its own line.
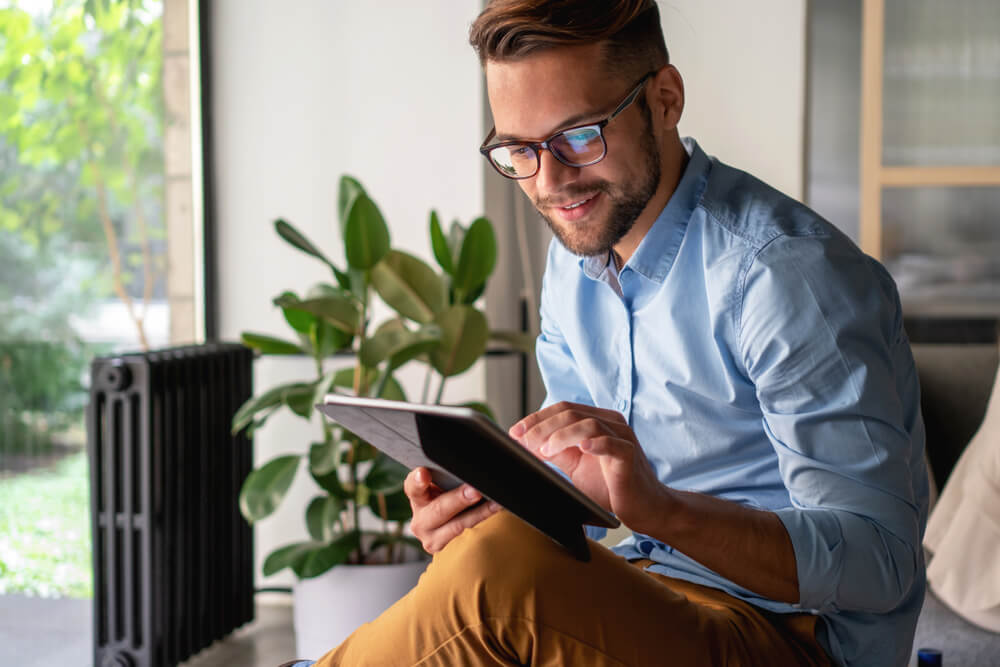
point(305, 91)
point(743, 65)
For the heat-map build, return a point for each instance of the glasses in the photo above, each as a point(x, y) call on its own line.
point(579, 146)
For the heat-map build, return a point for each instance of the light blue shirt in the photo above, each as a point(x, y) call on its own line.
point(759, 356)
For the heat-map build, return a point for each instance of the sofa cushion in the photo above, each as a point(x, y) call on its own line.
point(955, 384)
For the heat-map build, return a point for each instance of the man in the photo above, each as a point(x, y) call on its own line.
point(726, 372)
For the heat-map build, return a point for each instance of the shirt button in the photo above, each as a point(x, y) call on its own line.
point(622, 404)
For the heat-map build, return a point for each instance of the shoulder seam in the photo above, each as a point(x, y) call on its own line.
point(738, 324)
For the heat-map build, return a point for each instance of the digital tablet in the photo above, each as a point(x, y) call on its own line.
point(462, 445)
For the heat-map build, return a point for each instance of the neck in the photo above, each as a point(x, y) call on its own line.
point(673, 160)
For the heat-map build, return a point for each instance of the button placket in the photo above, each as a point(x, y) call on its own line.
point(625, 364)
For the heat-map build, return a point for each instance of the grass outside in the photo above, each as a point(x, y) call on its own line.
point(45, 547)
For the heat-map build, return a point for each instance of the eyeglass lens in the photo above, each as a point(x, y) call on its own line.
point(576, 147)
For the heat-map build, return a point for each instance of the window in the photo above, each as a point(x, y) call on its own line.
point(97, 247)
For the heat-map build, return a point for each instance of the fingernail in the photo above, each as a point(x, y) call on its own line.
point(494, 506)
point(422, 476)
point(517, 430)
point(470, 493)
point(546, 450)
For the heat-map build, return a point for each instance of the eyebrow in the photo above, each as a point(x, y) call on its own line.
point(572, 121)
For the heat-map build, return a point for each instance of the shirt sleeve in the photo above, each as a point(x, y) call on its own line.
point(821, 338)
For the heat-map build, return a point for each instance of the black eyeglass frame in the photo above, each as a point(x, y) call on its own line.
point(539, 146)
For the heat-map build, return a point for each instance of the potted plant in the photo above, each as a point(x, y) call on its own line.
point(436, 324)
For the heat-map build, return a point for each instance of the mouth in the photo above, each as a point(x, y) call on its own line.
point(577, 209)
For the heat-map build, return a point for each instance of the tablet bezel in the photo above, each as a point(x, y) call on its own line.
point(484, 424)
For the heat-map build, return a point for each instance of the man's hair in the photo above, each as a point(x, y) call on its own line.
point(508, 30)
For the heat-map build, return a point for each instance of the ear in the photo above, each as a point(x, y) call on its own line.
point(666, 97)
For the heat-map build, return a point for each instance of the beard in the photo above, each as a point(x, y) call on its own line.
point(627, 202)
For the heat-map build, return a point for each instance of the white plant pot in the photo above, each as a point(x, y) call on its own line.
point(328, 608)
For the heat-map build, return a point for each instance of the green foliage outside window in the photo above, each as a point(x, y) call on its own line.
point(81, 192)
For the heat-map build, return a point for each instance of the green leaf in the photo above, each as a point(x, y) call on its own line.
point(345, 377)
point(269, 399)
point(324, 457)
point(386, 475)
point(343, 279)
point(330, 483)
point(366, 236)
point(320, 558)
point(327, 339)
point(341, 311)
point(347, 192)
point(517, 340)
point(299, 320)
point(269, 344)
point(300, 398)
point(266, 486)
point(286, 556)
point(397, 506)
point(442, 253)
point(393, 391)
point(321, 517)
point(477, 257)
point(456, 236)
point(464, 332)
point(298, 240)
point(409, 286)
point(399, 345)
point(470, 297)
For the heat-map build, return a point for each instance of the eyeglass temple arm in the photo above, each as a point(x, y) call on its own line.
point(486, 141)
point(631, 96)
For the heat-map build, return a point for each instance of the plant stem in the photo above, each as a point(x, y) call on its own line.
point(382, 381)
point(427, 384)
point(437, 400)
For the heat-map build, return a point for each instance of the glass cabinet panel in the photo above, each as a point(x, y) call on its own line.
point(941, 94)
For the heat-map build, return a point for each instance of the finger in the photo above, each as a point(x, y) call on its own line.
point(608, 446)
point(445, 507)
point(574, 434)
point(419, 487)
point(439, 538)
point(567, 429)
point(532, 420)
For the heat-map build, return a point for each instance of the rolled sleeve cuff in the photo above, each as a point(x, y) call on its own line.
point(819, 544)
point(846, 561)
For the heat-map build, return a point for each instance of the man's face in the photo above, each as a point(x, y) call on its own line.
point(589, 209)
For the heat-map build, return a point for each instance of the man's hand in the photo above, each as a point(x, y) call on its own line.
point(440, 516)
point(601, 455)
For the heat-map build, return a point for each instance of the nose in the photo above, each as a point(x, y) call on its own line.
point(553, 174)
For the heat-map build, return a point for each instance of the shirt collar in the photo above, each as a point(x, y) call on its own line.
point(658, 248)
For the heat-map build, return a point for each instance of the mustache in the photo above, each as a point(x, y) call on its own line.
point(570, 191)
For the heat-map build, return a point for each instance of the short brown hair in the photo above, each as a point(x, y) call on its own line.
point(508, 30)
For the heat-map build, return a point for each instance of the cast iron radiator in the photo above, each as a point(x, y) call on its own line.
point(173, 557)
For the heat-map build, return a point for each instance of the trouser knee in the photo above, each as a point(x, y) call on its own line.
point(500, 562)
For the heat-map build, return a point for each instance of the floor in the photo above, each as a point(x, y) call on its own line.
point(38, 632)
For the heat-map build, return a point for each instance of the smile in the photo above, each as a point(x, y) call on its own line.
point(577, 204)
